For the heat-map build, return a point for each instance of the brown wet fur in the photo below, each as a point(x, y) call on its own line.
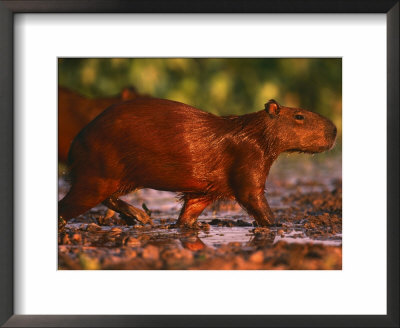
point(167, 145)
point(75, 111)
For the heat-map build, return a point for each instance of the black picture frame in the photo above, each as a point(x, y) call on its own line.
point(7, 11)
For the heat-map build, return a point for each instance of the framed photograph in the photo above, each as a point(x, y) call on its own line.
point(166, 164)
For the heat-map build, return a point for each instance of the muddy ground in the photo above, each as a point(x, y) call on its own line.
point(305, 194)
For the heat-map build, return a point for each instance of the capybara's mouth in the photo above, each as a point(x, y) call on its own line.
point(331, 141)
point(318, 149)
point(331, 137)
point(333, 144)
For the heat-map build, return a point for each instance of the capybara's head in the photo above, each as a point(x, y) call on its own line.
point(299, 130)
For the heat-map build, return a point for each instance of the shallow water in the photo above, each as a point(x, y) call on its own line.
point(304, 196)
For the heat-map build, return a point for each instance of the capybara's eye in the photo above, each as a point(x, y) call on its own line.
point(299, 117)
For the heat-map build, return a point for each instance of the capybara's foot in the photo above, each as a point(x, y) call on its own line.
point(131, 219)
point(109, 214)
point(265, 222)
point(142, 217)
point(107, 218)
point(185, 224)
point(61, 223)
point(129, 213)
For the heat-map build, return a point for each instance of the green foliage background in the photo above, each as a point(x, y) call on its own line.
point(218, 85)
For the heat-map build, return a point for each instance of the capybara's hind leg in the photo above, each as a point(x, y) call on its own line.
point(82, 197)
point(127, 210)
point(74, 204)
point(191, 210)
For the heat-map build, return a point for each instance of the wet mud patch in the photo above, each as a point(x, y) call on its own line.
point(306, 199)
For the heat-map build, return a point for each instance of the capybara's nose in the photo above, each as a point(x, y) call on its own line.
point(330, 132)
point(334, 131)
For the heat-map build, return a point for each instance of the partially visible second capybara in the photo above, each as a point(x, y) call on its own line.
point(75, 111)
point(167, 145)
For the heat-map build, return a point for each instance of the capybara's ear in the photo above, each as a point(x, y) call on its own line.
point(128, 93)
point(272, 107)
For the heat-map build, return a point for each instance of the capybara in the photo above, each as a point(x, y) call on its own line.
point(167, 145)
point(75, 111)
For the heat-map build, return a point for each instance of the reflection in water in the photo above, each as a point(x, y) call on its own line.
point(262, 240)
point(191, 241)
point(307, 207)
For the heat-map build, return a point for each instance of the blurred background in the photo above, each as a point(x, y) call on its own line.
point(219, 85)
point(304, 191)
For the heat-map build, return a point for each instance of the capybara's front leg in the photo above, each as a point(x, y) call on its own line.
point(191, 210)
point(257, 206)
point(127, 210)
